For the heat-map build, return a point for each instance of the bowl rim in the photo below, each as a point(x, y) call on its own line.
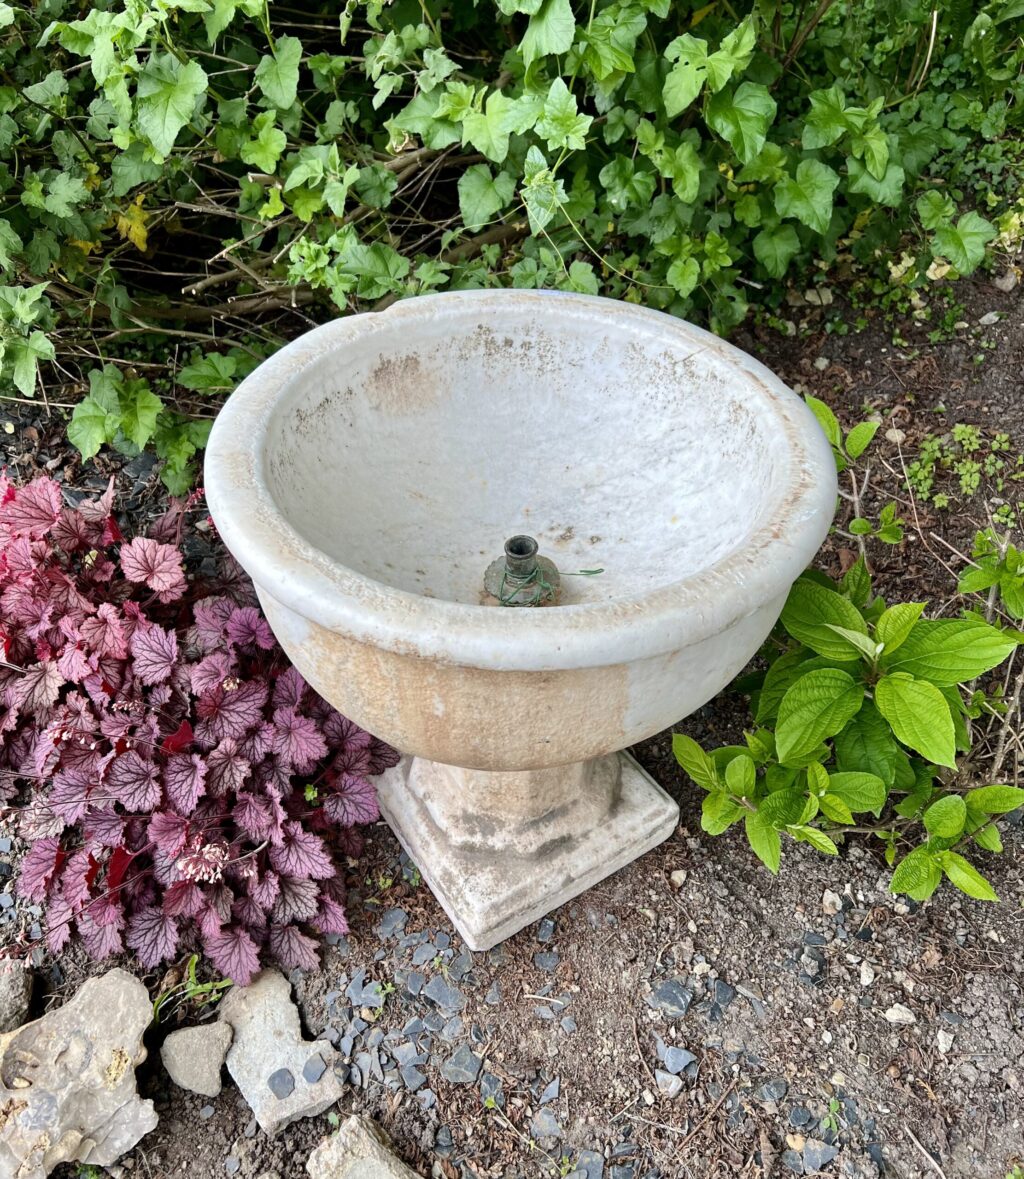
point(303, 579)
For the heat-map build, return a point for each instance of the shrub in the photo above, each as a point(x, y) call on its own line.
point(180, 779)
point(176, 173)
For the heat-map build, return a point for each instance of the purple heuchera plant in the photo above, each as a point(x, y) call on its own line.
point(164, 748)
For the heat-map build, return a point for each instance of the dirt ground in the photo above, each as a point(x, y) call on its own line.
point(573, 1023)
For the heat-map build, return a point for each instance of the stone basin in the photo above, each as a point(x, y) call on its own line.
point(367, 474)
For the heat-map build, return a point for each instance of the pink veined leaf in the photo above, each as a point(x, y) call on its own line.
point(232, 713)
point(289, 689)
point(183, 899)
point(73, 532)
point(168, 832)
point(266, 890)
point(68, 799)
point(345, 734)
point(353, 760)
point(226, 769)
point(103, 828)
point(297, 900)
point(301, 853)
point(155, 651)
point(382, 757)
point(100, 941)
point(73, 664)
point(40, 867)
point(155, 565)
point(330, 917)
point(59, 918)
point(248, 913)
point(350, 842)
point(104, 632)
point(96, 511)
point(134, 782)
point(353, 800)
point(153, 935)
point(210, 617)
point(293, 948)
point(297, 739)
point(247, 628)
point(210, 672)
point(165, 527)
point(33, 509)
point(252, 816)
point(234, 954)
point(107, 909)
point(184, 781)
point(36, 691)
point(258, 742)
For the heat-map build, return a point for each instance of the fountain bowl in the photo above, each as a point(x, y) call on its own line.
point(367, 474)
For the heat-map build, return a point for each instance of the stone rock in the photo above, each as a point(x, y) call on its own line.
point(463, 1067)
point(545, 1124)
point(67, 1080)
point(1006, 281)
point(817, 1155)
point(671, 997)
point(194, 1057)
point(989, 318)
point(359, 1150)
point(668, 1085)
point(15, 994)
point(678, 1059)
point(900, 1015)
point(268, 1043)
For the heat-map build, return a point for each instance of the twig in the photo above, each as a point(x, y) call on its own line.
point(1004, 730)
point(708, 1116)
point(931, 1162)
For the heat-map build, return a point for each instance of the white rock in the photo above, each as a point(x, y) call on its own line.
point(678, 878)
point(900, 1015)
point(194, 1057)
point(990, 318)
point(894, 435)
point(1006, 281)
point(67, 1080)
point(282, 1076)
point(944, 1041)
point(15, 994)
point(867, 974)
point(359, 1150)
point(831, 902)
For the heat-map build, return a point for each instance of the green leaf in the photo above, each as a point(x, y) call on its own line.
point(783, 807)
point(997, 800)
point(859, 644)
point(684, 166)
point(741, 776)
point(688, 74)
point(934, 208)
point(23, 354)
point(867, 746)
point(733, 55)
point(951, 650)
point(277, 74)
point(139, 410)
point(64, 194)
point(265, 150)
point(811, 611)
point(966, 877)
point(827, 420)
point(212, 371)
point(896, 623)
point(776, 248)
point(919, 715)
point(167, 95)
point(817, 706)
point(834, 808)
point(817, 839)
point(964, 244)
point(917, 875)
point(91, 426)
point(742, 117)
point(551, 30)
point(481, 194)
point(808, 195)
point(489, 130)
point(826, 121)
point(683, 275)
point(543, 193)
point(856, 583)
point(560, 124)
point(945, 818)
point(886, 191)
point(695, 761)
point(976, 579)
point(718, 812)
point(764, 840)
point(859, 438)
point(860, 792)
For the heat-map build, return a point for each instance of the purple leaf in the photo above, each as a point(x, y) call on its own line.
point(183, 899)
point(292, 948)
point(39, 868)
point(266, 890)
point(252, 816)
point(153, 935)
point(234, 954)
point(134, 782)
point(184, 778)
point(330, 917)
point(297, 900)
point(297, 739)
point(226, 769)
point(31, 510)
point(211, 672)
point(232, 713)
point(301, 853)
point(37, 689)
point(340, 731)
point(247, 628)
point(156, 565)
point(100, 940)
point(104, 632)
point(289, 689)
point(168, 832)
point(353, 800)
point(155, 651)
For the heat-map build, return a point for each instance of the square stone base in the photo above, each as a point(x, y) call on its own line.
point(489, 893)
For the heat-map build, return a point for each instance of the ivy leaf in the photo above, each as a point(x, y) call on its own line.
point(817, 706)
point(964, 244)
point(688, 74)
point(277, 74)
point(140, 408)
point(733, 55)
point(776, 248)
point(92, 425)
point(683, 275)
point(886, 191)
point(945, 818)
point(551, 30)
point(167, 94)
point(24, 354)
point(919, 715)
point(543, 194)
point(826, 121)
point(625, 184)
point(488, 130)
point(560, 124)
point(63, 194)
point(684, 166)
point(742, 117)
point(481, 194)
point(934, 208)
point(808, 195)
point(265, 149)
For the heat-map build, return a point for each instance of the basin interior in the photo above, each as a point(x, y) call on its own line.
point(413, 452)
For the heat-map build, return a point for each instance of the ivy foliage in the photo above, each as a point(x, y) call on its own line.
point(183, 173)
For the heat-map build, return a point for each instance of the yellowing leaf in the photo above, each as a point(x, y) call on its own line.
point(131, 224)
